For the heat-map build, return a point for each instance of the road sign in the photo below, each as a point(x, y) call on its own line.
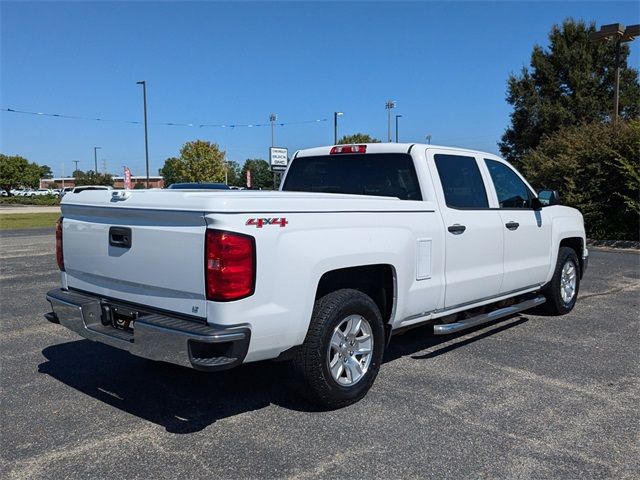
point(278, 158)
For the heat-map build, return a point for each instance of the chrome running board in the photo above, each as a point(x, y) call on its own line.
point(447, 328)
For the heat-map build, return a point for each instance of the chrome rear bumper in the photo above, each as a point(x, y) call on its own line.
point(155, 335)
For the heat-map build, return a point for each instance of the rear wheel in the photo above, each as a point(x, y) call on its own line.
point(562, 291)
point(342, 352)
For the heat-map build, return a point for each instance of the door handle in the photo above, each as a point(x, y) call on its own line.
point(457, 229)
point(512, 225)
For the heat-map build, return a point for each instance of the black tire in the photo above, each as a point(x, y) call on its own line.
point(555, 304)
point(311, 359)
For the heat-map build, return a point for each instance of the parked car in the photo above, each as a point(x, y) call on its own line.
point(64, 191)
point(361, 242)
point(43, 192)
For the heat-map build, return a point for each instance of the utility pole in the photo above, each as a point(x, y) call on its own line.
point(146, 138)
point(104, 165)
point(335, 126)
point(95, 157)
point(397, 117)
point(390, 105)
point(76, 162)
point(428, 137)
point(619, 34)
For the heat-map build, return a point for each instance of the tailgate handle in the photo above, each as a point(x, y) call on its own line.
point(120, 237)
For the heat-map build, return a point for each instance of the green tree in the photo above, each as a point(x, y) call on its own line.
point(45, 172)
point(169, 171)
point(596, 168)
point(199, 161)
point(357, 138)
point(16, 171)
point(92, 178)
point(569, 83)
point(234, 174)
point(261, 175)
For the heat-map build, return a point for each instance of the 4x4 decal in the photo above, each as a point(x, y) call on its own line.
point(260, 222)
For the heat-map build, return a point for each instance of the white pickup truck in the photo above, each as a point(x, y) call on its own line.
point(361, 241)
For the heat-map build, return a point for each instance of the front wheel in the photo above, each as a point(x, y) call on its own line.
point(562, 291)
point(341, 355)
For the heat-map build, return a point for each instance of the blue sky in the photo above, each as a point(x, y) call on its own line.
point(445, 63)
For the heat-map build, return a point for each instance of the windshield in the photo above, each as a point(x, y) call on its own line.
point(378, 174)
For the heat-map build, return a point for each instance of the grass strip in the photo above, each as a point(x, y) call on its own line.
point(28, 220)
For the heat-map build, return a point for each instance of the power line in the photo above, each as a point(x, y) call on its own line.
point(170, 124)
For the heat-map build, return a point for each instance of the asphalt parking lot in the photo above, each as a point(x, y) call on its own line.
point(528, 397)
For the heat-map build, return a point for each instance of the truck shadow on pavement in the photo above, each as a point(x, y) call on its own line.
point(183, 400)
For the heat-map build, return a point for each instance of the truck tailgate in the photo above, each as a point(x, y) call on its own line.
point(149, 257)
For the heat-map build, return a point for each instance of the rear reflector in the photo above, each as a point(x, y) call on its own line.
point(59, 254)
point(230, 265)
point(348, 149)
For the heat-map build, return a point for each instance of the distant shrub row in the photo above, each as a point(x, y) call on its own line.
point(39, 200)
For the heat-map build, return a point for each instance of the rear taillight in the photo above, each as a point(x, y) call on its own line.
point(230, 265)
point(348, 149)
point(59, 254)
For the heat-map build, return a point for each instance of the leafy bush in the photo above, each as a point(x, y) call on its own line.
point(39, 200)
point(596, 168)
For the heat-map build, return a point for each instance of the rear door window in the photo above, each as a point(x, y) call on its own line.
point(461, 181)
point(378, 174)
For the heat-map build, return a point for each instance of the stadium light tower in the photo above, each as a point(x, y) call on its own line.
point(272, 119)
point(390, 105)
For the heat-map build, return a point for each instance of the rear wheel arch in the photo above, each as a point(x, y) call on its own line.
point(377, 281)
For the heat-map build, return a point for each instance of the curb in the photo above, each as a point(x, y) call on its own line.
point(619, 244)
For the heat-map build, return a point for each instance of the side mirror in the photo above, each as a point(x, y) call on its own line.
point(548, 197)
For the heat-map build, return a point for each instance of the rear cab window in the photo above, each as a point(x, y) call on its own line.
point(377, 174)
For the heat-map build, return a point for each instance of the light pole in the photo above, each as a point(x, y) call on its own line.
point(335, 126)
point(391, 104)
point(146, 139)
point(95, 157)
point(428, 137)
point(397, 117)
point(272, 118)
point(619, 34)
